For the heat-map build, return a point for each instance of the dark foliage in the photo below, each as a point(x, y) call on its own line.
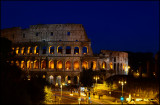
point(15, 87)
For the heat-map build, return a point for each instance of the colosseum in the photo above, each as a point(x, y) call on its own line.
point(60, 52)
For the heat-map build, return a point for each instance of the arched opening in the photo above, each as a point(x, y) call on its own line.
point(43, 64)
point(67, 80)
point(29, 50)
point(111, 65)
point(68, 65)
point(76, 50)
point(59, 49)
point(85, 50)
point(76, 65)
point(22, 50)
point(68, 50)
point(36, 50)
point(104, 65)
point(94, 65)
point(85, 65)
point(44, 50)
point(51, 64)
point(17, 63)
point(29, 65)
point(36, 64)
point(17, 50)
point(51, 50)
point(75, 80)
point(22, 64)
point(59, 65)
point(58, 80)
point(51, 78)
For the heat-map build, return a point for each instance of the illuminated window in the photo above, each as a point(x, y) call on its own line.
point(44, 50)
point(85, 50)
point(29, 65)
point(59, 49)
point(68, 50)
point(68, 65)
point(22, 65)
point(43, 64)
point(36, 64)
point(17, 63)
point(29, 50)
point(59, 65)
point(51, 64)
point(111, 65)
point(51, 50)
point(36, 50)
point(22, 50)
point(76, 65)
point(94, 65)
point(104, 65)
point(85, 65)
point(17, 50)
point(76, 50)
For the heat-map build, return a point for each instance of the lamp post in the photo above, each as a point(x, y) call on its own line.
point(61, 91)
point(96, 78)
point(122, 83)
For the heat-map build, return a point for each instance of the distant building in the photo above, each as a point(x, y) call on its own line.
point(62, 51)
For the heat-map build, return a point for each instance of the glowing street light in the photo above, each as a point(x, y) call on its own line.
point(96, 78)
point(122, 83)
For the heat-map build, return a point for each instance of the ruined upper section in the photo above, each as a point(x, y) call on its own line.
point(46, 32)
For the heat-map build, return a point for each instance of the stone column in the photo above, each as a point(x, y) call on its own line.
point(72, 65)
point(55, 65)
point(63, 65)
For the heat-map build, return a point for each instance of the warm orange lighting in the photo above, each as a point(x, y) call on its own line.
point(28, 51)
point(51, 64)
point(22, 50)
point(17, 63)
point(111, 65)
point(76, 65)
point(35, 64)
point(68, 65)
point(35, 48)
point(94, 65)
point(44, 76)
point(43, 64)
point(104, 65)
point(85, 65)
point(29, 64)
point(59, 64)
point(17, 50)
point(22, 64)
point(69, 81)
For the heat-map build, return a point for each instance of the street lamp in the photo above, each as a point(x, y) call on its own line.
point(61, 91)
point(122, 83)
point(96, 78)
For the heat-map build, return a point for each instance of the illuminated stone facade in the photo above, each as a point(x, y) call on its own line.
point(62, 51)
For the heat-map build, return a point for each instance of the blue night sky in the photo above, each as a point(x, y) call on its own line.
point(111, 25)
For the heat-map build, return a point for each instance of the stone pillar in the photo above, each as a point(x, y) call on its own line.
point(55, 65)
point(55, 50)
point(72, 50)
point(63, 65)
point(63, 50)
point(72, 65)
point(80, 65)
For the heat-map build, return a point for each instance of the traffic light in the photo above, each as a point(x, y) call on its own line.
point(122, 98)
